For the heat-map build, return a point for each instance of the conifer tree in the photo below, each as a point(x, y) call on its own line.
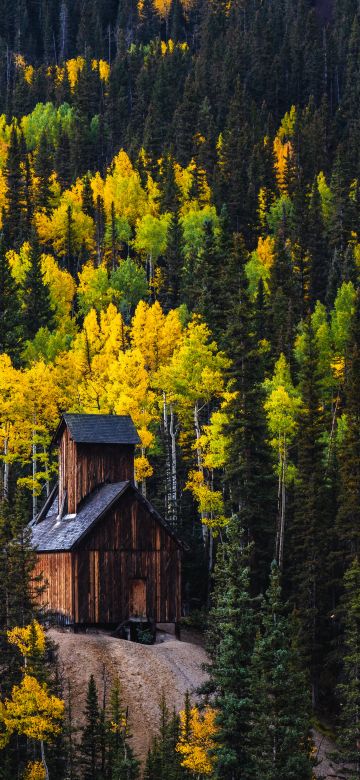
point(14, 217)
point(248, 476)
point(121, 762)
point(279, 739)
point(349, 686)
point(43, 169)
point(348, 518)
point(230, 644)
point(311, 533)
point(90, 753)
point(10, 317)
point(37, 312)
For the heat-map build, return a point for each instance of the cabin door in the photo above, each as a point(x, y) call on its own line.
point(137, 599)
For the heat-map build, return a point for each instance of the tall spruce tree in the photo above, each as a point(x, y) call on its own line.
point(92, 736)
point(10, 317)
point(248, 473)
point(311, 533)
point(348, 517)
point(279, 739)
point(230, 644)
point(349, 686)
point(37, 312)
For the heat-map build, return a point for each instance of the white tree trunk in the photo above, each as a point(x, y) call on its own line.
point(173, 467)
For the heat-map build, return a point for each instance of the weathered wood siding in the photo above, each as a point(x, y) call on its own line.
point(56, 570)
point(83, 467)
point(97, 464)
point(129, 544)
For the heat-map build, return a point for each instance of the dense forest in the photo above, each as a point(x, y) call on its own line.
point(180, 241)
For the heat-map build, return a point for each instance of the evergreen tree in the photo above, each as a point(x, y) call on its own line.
point(43, 170)
point(91, 738)
point(230, 644)
point(248, 476)
point(348, 518)
point(14, 219)
point(311, 534)
point(121, 762)
point(37, 312)
point(349, 686)
point(279, 739)
point(163, 762)
point(10, 317)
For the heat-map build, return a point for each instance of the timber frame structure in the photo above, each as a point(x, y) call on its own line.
point(104, 552)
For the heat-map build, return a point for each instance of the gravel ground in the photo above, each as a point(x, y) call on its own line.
point(144, 672)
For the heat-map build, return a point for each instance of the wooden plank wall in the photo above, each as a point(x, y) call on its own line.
point(97, 464)
point(129, 544)
point(57, 577)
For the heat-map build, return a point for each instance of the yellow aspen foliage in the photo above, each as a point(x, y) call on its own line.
point(3, 189)
point(283, 152)
point(74, 66)
point(67, 217)
point(32, 711)
point(103, 69)
point(162, 7)
point(19, 262)
point(24, 637)
point(210, 502)
point(61, 285)
point(123, 188)
point(197, 740)
point(155, 334)
point(35, 770)
point(266, 251)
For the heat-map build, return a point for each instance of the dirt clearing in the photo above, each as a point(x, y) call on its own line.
point(144, 672)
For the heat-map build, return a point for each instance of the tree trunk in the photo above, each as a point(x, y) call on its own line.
point(44, 760)
point(6, 469)
point(34, 468)
point(173, 468)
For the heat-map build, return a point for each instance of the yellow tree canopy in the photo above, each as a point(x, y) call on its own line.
point(197, 740)
point(31, 711)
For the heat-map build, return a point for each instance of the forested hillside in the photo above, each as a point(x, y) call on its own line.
point(180, 241)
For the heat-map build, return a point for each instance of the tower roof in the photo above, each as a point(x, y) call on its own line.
point(99, 429)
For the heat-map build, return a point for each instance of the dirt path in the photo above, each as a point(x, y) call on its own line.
point(144, 672)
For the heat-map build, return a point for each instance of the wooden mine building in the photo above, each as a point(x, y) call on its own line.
point(105, 553)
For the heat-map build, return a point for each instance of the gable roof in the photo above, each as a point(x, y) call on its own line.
point(52, 534)
point(99, 429)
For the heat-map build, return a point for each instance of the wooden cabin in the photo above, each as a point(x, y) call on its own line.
point(105, 553)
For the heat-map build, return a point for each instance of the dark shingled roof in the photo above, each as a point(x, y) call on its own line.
point(100, 429)
point(53, 534)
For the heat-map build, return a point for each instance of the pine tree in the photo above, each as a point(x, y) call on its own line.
point(37, 312)
point(90, 753)
point(279, 739)
point(163, 762)
point(14, 219)
point(121, 763)
point(248, 477)
point(311, 534)
point(348, 518)
point(10, 317)
point(349, 686)
point(43, 169)
point(230, 644)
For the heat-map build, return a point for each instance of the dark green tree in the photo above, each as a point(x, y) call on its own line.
point(349, 686)
point(92, 734)
point(37, 312)
point(10, 316)
point(230, 644)
point(279, 739)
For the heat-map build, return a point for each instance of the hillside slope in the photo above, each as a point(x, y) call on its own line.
point(144, 672)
